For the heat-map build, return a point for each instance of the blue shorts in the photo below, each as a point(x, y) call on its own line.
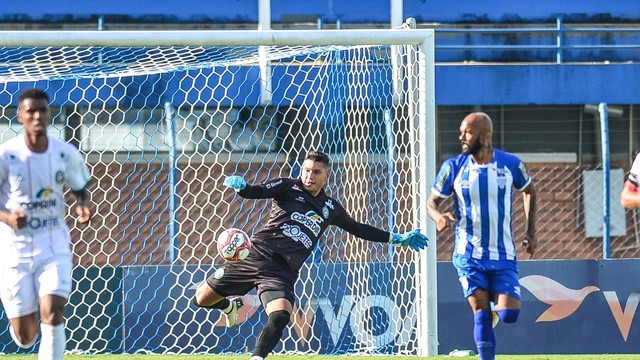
point(494, 276)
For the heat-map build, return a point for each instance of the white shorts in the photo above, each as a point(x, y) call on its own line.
point(22, 285)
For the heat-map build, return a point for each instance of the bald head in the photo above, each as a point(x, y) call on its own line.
point(480, 122)
point(475, 133)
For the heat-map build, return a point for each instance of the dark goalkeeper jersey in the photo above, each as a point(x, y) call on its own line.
point(297, 219)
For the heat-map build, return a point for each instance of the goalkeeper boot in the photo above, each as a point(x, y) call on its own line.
point(231, 313)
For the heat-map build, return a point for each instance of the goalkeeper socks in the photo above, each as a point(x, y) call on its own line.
point(223, 304)
point(271, 334)
point(53, 342)
point(483, 335)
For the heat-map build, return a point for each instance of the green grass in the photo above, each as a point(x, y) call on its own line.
point(319, 357)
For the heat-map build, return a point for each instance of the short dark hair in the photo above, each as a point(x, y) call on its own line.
point(318, 156)
point(35, 94)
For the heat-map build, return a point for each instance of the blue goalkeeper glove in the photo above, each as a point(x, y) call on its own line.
point(235, 182)
point(413, 238)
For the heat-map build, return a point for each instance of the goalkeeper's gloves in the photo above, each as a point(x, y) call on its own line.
point(413, 238)
point(235, 182)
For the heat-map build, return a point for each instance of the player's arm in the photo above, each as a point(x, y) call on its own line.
point(442, 220)
point(269, 189)
point(630, 197)
point(530, 213)
point(414, 238)
point(442, 188)
point(17, 219)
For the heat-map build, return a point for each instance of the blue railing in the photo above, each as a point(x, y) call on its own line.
point(539, 43)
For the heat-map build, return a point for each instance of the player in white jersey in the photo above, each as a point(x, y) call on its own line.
point(35, 246)
point(482, 179)
point(630, 197)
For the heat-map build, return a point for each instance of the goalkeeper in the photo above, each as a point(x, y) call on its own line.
point(300, 213)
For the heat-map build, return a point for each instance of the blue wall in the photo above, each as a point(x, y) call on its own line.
point(569, 307)
point(353, 11)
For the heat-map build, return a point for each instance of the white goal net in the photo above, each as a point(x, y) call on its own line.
point(163, 117)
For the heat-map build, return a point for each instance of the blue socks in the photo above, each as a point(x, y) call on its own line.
point(483, 335)
point(509, 315)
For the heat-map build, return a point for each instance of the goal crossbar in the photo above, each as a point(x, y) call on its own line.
point(214, 37)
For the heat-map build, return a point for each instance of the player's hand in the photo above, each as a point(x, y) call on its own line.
point(413, 238)
point(446, 220)
point(235, 182)
point(530, 244)
point(17, 219)
point(83, 213)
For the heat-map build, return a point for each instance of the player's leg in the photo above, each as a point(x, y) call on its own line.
point(206, 297)
point(278, 310)
point(54, 287)
point(20, 302)
point(223, 288)
point(483, 333)
point(24, 330)
point(276, 291)
point(508, 308)
point(507, 289)
point(475, 285)
point(53, 339)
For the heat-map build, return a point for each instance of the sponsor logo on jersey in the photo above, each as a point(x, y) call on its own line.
point(296, 187)
point(297, 235)
point(329, 204)
point(300, 198)
point(273, 183)
point(42, 201)
point(311, 220)
point(38, 223)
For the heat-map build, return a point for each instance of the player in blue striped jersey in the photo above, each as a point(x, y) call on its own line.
point(482, 179)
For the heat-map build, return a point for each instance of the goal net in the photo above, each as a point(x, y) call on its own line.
point(163, 117)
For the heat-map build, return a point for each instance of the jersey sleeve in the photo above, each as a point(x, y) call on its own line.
point(443, 185)
point(634, 173)
point(78, 175)
point(521, 178)
point(363, 231)
point(266, 190)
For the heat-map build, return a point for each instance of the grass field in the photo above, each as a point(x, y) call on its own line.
point(319, 357)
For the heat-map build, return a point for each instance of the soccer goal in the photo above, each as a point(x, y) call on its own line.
point(163, 116)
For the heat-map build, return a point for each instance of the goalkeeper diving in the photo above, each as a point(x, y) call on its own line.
point(299, 214)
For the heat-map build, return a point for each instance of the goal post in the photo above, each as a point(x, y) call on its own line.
point(163, 116)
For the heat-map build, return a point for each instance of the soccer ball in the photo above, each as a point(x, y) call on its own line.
point(233, 244)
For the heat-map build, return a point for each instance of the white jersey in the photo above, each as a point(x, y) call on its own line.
point(35, 182)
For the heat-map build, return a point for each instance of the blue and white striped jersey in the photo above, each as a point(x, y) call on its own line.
point(484, 197)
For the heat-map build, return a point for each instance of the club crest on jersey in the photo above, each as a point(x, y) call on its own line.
point(325, 212)
point(501, 178)
point(219, 273)
point(59, 177)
